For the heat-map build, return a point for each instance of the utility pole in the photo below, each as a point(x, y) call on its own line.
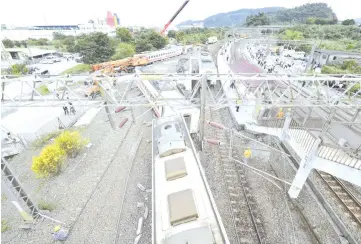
point(309, 62)
point(203, 105)
point(111, 121)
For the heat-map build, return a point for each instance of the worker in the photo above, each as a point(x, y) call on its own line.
point(247, 154)
point(280, 114)
point(232, 84)
point(238, 103)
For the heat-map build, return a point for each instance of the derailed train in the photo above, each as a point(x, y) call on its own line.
point(183, 208)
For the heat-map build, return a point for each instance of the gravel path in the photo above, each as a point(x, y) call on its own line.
point(70, 190)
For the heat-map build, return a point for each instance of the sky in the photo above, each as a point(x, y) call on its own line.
point(153, 13)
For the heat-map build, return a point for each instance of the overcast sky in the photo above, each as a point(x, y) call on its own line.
point(143, 12)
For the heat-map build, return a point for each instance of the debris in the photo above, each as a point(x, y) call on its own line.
point(60, 233)
point(89, 145)
point(140, 204)
point(26, 226)
point(137, 239)
point(146, 211)
point(141, 187)
point(140, 225)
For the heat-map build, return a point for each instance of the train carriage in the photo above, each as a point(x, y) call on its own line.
point(184, 210)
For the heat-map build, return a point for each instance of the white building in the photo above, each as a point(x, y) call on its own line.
point(46, 31)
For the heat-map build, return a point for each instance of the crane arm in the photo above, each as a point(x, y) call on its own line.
point(174, 16)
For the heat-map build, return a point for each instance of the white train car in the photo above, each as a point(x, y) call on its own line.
point(162, 54)
point(183, 208)
point(207, 66)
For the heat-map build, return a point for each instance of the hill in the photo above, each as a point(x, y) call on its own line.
point(277, 15)
point(302, 13)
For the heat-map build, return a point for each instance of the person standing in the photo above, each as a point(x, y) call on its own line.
point(71, 108)
point(66, 111)
point(232, 84)
point(238, 103)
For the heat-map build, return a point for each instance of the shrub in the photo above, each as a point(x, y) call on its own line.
point(4, 226)
point(70, 142)
point(43, 90)
point(355, 88)
point(49, 161)
point(46, 206)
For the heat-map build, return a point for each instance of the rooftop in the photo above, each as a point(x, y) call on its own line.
point(31, 52)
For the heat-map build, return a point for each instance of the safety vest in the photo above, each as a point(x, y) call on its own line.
point(247, 153)
point(280, 114)
point(239, 102)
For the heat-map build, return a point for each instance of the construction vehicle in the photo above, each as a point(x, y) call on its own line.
point(126, 65)
point(173, 17)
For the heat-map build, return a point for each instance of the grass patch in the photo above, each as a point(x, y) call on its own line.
point(45, 138)
point(43, 90)
point(3, 197)
point(77, 69)
point(4, 226)
point(46, 206)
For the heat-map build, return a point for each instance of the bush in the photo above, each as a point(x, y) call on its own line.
point(49, 161)
point(46, 206)
point(4, 226)
point(18, 69)
point(355, 88)
point(70, 142)
point(43, 90)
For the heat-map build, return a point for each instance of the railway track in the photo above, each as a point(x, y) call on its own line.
point(245, 216)
point(348, 200)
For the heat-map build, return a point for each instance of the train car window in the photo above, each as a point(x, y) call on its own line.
point(182, 207)
point(175, 168)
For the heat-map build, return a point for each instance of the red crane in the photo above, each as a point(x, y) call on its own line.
point(174, 16)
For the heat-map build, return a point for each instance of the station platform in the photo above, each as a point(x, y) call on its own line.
point(327, 157)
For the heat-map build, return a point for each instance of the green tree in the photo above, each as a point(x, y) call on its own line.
point(94, 48)
point(348, 22)
point(24, 43)
point(18, 69)
point(123, 50)
point(124, 34)
point(142, 45)
point(17, 43)
point(292, 35)
point(58, 36)
point(172, 34)
point(8, 43)
point(155, 39)
point(256, 20)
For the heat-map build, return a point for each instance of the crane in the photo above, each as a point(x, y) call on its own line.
point(173, 17)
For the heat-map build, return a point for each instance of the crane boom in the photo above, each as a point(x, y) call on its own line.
point(174, 16)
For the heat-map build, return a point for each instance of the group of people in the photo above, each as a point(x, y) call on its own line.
point(262, 55)
point(69, 109)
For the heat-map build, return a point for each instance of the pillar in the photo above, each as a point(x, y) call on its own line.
point(306, 165)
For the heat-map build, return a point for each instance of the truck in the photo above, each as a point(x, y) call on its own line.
point(212, 39)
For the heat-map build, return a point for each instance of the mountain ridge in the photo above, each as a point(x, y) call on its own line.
point(277, 15)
